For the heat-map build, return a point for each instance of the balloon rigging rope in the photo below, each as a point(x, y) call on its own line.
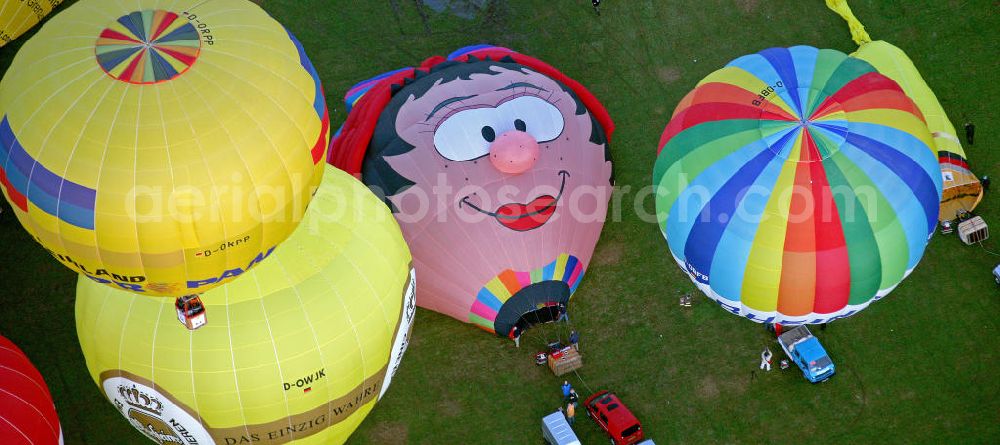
point(988, 250)
point(585, 385)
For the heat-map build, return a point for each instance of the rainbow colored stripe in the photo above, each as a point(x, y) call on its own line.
point(797, 184)
point(27, 180)
point(148, 47)
point(566, 268)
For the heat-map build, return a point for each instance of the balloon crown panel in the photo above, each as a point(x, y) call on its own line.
point(162, 150)
point(514, 157)
point(148, 46)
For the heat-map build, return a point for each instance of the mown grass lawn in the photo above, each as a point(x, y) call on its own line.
point(918, 367)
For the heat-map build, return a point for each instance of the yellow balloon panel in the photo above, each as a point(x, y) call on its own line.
point(18, 16)
point(298, 350)
point(162, 147)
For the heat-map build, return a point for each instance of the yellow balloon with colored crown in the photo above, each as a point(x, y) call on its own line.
point(161, 147)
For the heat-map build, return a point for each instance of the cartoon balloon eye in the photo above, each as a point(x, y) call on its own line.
point(467, 134)
point(533, 115)
point(489, 134)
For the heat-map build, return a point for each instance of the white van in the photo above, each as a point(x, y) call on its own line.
point(556, 430)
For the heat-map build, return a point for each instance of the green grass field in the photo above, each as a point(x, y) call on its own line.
point(919, 366)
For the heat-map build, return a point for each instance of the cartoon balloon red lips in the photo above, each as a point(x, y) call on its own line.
point(524, 217)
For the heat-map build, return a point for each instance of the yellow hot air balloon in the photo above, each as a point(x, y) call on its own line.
point(162, 147)
point(298, 350)
point(962, 189)
point(18, 16)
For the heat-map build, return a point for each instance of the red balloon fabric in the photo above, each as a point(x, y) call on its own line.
point(27, 414)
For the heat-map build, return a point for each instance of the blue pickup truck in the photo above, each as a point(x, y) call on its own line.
point(805, 350)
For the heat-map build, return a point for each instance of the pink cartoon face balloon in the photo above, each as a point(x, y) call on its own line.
point(500, 178)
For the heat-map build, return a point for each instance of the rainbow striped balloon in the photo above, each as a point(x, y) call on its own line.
point(797, 185)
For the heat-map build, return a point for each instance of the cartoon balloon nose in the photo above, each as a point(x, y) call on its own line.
point(514, 152)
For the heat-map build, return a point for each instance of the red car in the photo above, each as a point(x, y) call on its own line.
point(614, 418)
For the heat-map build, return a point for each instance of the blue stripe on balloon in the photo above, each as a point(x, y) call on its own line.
point(838, 131)
point(924, 156)
point(687, 207)
point(761, 68)
point(17, 178)
point(783, 63)
point(899, 196)
point(835, 131)
point(925, 188)
point(579, 279)
point(44, 200)
point(76, 215)
point(22, 163)
point(468, 49)
point(548, 271)
point(47, 182)
point(805, 69)
point(111, 59)
point(319, 102)
point(162, 68)
point(183, 33)
point(487, 298)
point(730, 261)
point(43, 188)
point(571, 262)
point(780, 142)
point(133, 22)
point(708, 229)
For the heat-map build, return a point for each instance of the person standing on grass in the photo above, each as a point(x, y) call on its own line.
point(573, 398)
point(765, 359)
point(566, 389)
point(515, 334)
point(574, 339)
point(570, 413)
